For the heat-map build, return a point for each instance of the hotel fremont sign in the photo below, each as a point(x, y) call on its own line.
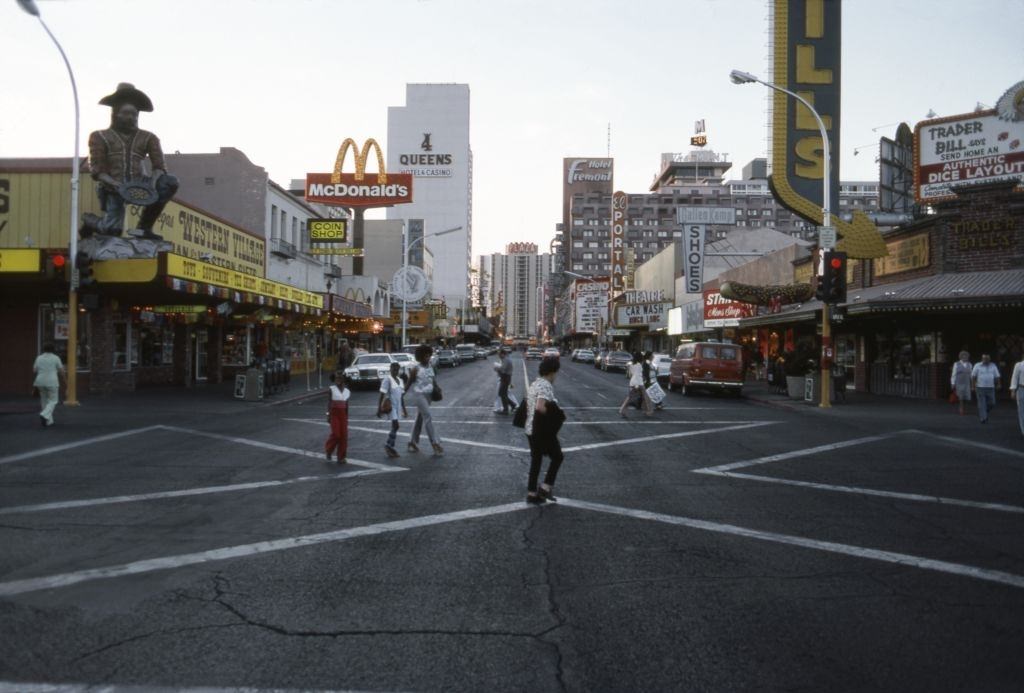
point(356, 189)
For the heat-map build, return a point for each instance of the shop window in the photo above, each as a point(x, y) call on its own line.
point(54, 327)
point(237, 350)
point(153, 346)
point(122, 345)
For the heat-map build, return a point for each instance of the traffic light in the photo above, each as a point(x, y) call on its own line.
point(832, 282)
point(83, 263)
point(57, 267)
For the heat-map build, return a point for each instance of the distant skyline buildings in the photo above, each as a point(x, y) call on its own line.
point(519, 278)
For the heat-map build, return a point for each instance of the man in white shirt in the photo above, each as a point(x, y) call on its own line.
point(985, 381)
point(49, 372)
point(1017, 390)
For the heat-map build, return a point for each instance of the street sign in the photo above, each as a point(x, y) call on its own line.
point(827, 237)
point(692, 247)
point(705, 215)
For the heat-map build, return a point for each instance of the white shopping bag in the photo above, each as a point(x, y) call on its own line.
point(511, 398)
point(655, 393)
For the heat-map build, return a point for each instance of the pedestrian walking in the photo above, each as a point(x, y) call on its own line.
point(648, 368)
point(544, 419)
point(422, 385)
point(50, 374)
point(504, 370)
point(392, 398)
point(985, 381)
point(1017, 390)
point(337, 415)
point(635, 371)
point(960, 379)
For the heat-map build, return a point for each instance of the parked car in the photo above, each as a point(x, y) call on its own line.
point(599, 357)
point(368, 369)
point(585, 355)
point(411, 350)
point(447, 357)
point(575, 352)
point(662, 366)
point(534, 353)
point(552, 352)
point(466, 352)
point(481, 352)
point(616, 361)
point(707, 366)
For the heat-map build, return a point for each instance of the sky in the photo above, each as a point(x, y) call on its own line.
point(285, 81)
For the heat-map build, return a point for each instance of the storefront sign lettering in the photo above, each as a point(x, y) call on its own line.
point(721, 312)
point(990, 234)
point(904, 255)
point(653, 316)
point(193, 270)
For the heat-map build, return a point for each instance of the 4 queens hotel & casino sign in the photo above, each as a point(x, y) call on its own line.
point(356, 189)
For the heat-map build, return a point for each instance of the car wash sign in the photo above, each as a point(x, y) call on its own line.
point(651, 316)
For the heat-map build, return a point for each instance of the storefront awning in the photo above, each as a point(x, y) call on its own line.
point(189, 276)
point(938, 293)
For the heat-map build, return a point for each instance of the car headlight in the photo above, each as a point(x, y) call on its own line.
point(382, 374)
point(352, 373)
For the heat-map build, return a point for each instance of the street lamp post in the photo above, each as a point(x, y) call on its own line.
point(405, 264)
point(740, 77)
point(71, 397)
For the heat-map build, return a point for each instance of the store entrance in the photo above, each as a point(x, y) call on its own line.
point(200, 339)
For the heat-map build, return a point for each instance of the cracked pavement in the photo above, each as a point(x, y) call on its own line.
point(553, 598)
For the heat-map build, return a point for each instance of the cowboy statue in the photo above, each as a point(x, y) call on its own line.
point(117, 160)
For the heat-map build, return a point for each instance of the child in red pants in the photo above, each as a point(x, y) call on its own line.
point(337, 414)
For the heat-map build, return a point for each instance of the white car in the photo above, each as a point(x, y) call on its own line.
point(661, 364)
point(369, 369)
point(585, 355)
point(552, 352)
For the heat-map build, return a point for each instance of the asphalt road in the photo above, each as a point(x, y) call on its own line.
point(719, 545)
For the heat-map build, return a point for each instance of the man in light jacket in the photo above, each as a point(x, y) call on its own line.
point(985, 381)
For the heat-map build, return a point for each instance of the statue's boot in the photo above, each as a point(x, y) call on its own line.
point(90, 225)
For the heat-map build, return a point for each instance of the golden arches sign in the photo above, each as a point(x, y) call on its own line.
point(360, 155)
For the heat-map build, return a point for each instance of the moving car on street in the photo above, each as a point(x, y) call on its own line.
point(552, 352)
point(447, 357)
point(585, 355)
point(599, 357)
point(616, 361)
point(534, 353)
point(466, 352)
point(707, 366)
point(368, 370)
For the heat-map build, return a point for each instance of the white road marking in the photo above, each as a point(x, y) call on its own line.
point(665, 436)
point(278, 448)
point(205, 490)
point(14, 587)
point(71, 446)
point(941, 500)
point(973, 443)
point(506, 421)
point(444, 439)
point(904, 559)
point(796, 453)
point(19, 687)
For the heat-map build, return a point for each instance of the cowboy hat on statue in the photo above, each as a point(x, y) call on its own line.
point(118, 162)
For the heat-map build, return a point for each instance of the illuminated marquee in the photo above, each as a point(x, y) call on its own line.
point(807, 61)
point(620, 201)
point(352, 189)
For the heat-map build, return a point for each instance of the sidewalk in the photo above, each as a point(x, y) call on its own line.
point(217, 398)
point(932, 414)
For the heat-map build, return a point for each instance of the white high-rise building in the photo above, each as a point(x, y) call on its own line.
point(519, 279)
point(429, 137)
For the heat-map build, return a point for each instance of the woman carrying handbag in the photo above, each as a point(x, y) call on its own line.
point(423, 389)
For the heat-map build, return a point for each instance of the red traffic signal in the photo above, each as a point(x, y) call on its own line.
point(59, 261)
point(835, 263)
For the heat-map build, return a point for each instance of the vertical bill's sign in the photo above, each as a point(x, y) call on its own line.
point(807, 61)
point(693, 257)
point(619, 204)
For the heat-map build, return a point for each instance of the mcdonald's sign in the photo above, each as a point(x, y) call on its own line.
point(359, 189)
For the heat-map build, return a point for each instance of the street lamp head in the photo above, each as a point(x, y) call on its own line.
point(29, 6)
point(741, 77)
